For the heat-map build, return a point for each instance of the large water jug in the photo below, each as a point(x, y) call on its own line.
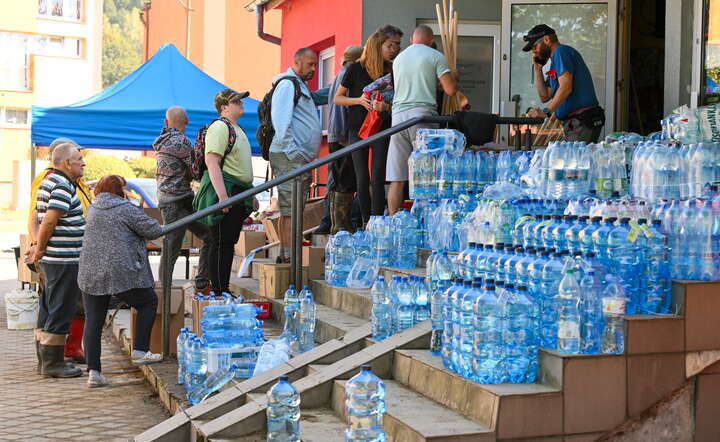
point(283, 412)
point(365, 407)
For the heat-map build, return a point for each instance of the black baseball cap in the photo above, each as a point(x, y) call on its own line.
point(535, 34)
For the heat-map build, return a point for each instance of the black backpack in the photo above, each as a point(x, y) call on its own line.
point(265, 131)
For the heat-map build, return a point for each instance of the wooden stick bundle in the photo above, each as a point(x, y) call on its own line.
point(448, 22)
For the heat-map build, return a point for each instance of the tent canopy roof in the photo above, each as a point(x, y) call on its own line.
point(130, 114)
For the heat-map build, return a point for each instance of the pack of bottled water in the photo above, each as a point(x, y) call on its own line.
point(399, 304)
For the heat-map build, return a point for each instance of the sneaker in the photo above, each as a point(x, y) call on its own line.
point(96, 379)
point(143, 358)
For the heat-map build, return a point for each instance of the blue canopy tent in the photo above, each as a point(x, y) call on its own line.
point(130, 114)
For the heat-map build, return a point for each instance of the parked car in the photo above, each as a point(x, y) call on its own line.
point(142, 191)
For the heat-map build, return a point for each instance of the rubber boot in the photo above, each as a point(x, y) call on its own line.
point(340, 209)
point(53, 364)
point(37, 351)
point(73, 346)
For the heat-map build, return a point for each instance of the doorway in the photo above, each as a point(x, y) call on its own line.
point(644, 69)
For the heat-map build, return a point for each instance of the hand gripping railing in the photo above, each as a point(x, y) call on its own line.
point(297, 205)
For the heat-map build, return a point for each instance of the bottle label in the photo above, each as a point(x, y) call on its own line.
point(613, 306)
point(556, 174)
point(522, 219)
point(543, 224)
point(568, 330)
point(619, 184)
point(604, 184)
point(646, 230)
point(634, 231)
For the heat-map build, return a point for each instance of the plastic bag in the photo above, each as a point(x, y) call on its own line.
point(363, 273)
point(373, 122)
point(273, 352)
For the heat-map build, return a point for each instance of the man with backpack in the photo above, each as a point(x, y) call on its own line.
point(297, 133)
point(174, 175)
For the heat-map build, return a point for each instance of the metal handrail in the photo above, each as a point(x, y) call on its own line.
point(167, 277)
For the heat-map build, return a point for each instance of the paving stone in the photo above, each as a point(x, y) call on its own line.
point(40, 409)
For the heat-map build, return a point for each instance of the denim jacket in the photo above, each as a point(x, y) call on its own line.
point(298, 131)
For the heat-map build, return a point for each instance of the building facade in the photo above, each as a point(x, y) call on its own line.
point(50, 54)
point(222, 40)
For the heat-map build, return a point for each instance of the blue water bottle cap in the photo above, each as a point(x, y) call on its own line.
point(306, 287)
point(292, 287)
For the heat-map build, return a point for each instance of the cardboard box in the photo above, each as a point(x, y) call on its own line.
point(24, 272)
point(177, 320)
point(190, 241)
point(197, 313)
point(250, 240)
point(275, 280)
point(312, 215)
point(314, 259)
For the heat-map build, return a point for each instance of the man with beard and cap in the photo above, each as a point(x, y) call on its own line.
point(567, 86)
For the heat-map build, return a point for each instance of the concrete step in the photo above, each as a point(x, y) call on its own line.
point(513, 410)
point(389, 272)
point(315, 390)
point(331, 323)
point(355, 302)
point(413, 417)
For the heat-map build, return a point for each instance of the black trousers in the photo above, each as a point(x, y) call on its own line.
point(144, 300)
point(173, 212)
point(370, 183)
point(223, 237)
point(342, 172)
point(59, 298)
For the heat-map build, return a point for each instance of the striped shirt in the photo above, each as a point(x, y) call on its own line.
point(58, 192)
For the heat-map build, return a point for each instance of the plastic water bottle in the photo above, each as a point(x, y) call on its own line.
point(600, 240)
point(455, 313)
point(283, 412)
point(308, 314)
point(572, 234)
point(585, 235)
point(467, 329)
point(365, 407)
point(381, 311)
point(549, 287)
point(437, 307)
point(624, 258)
point(330, 260)
point(613, 302)
point(291, 301)
point(342, 258)
point(487, 339)
point(196, 357)
point(416, 175)
point(180, 343)
point(405, 310)
point(656, 280)
point(421, 299)
point(569, 315)
point(590, 313)
point(531, 335)
point(213, 383)
point(515, 331)
point(405, 230)
point(448, 329)
point(362, 244)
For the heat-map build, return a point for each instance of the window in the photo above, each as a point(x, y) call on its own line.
point(13, 61)
point(10, 117)
point(710, 82)
point(57, 46)
point(60, 9)
point(326, 76)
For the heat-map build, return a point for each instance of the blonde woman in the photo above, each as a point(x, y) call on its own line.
point(379, 51)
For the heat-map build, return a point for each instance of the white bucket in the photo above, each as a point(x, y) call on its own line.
point(22, 309)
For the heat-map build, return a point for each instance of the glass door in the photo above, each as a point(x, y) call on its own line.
point(588, 25)
point(710, 80)
point(478, 62)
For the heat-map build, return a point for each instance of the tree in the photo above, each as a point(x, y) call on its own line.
point(98, 165)
point(122, 39)
point(144, 167)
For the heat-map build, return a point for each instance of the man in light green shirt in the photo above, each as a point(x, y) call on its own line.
point(238, 162)
point(416, 72)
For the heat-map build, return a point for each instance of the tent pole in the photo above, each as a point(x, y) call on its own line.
point(33, 160)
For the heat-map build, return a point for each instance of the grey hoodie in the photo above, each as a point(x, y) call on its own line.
point(114, 256)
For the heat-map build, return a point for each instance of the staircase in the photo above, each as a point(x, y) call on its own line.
point(576, 398)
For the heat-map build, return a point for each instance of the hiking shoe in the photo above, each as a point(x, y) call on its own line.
point(96, 379)
point(147, 357)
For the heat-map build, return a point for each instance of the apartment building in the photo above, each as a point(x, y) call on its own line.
point(50, 54)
